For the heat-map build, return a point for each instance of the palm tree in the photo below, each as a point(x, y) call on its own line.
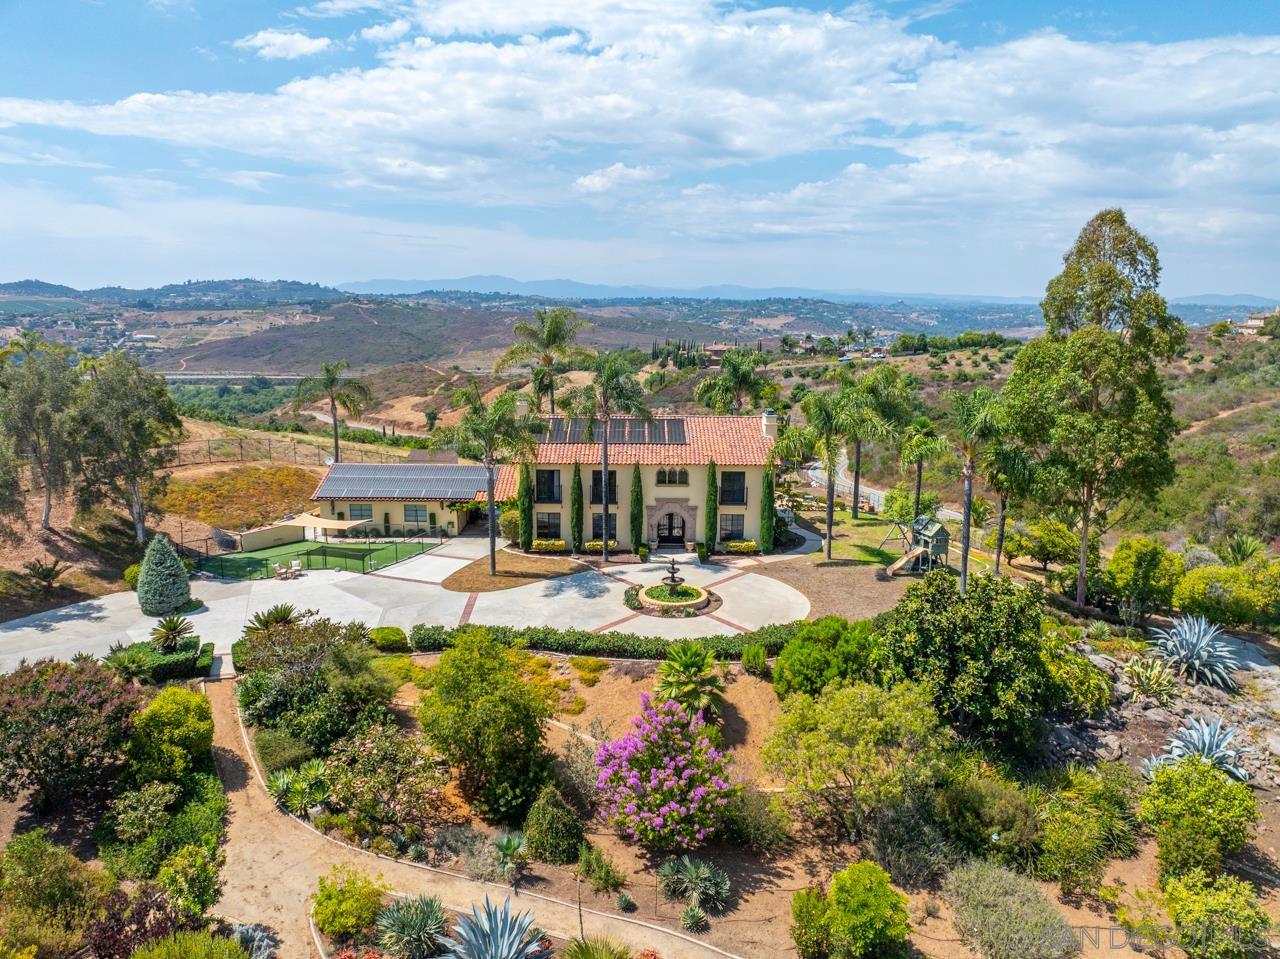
point(827, 422)
point(921, 444)
point(329, 384)
point(690, 676)
point(978, 422)
point(493, 433)
point(878, 402)
point(543, 383)
point(613, 392)
point(1009, 470)
point(549, 340)
point(738, 382)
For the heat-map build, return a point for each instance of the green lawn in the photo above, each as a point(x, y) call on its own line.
point(353, 557)
point(859, 540)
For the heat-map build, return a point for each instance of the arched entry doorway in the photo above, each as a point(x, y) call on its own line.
point(671, 529)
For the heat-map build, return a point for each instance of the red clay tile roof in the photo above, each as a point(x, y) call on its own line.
point(729, 440)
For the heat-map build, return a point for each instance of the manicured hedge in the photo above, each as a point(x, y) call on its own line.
point(183, 663)
point(237, 653)
point(204, 662)
point(580, 642)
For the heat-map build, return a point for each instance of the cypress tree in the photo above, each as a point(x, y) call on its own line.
point(163, 584)
point(711, 530)
point(575, 510)
point(766, 510)
point(524, 503)
point(637, 510)
point(552, 831)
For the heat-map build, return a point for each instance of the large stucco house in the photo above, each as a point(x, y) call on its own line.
point(673, 453)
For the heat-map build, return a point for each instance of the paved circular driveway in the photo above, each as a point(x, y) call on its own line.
point(589, 600)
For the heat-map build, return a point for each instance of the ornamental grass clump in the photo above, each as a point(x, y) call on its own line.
point(663, 784)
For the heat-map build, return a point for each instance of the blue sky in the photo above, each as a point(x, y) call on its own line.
point(938, 145)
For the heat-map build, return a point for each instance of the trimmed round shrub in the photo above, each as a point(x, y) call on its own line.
point(278, 750)
point(171, 736)
point(163, 584)
point(860, 915)
point(552, 831)
point(1198, 814)
point(192, 945)
point(346, 902)
point(1216, 917)
point(389, 639)
point(131, 575)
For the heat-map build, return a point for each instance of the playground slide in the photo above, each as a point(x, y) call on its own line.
point(904, 560)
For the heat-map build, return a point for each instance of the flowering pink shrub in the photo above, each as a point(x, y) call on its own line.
point(388, 778)
point(663, 784)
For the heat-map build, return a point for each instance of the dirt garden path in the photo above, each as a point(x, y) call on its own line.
point(273, 862)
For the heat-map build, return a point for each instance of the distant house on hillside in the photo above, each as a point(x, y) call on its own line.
point(1253, 323)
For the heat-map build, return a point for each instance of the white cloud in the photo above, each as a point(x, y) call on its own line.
point(603, 180)
point(386, 32)
point(702, 104)
point(283, 44)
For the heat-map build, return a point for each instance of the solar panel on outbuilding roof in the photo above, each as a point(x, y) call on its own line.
point(409, 481)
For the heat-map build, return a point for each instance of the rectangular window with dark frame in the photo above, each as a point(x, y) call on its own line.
point(546, 486)
point(415, 513)
point(547, 525)
point(733, 488)
point(597, 525)
point(732, 526)
point(362, 511)
point(595, 487)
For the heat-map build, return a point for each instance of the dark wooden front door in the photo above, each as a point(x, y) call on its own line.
point(671, 530)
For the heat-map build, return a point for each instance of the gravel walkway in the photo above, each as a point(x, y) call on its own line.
point(273, 862)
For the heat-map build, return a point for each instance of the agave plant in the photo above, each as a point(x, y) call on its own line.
point(258, 941)
point(170, 631)
point(690, 675)
point(595, 947)
point(267, 621)
point(493, 933)
point(1098, 631)
point(1241, 548)
point(1151, 677)
point(413, 928)
point(1192, 646)
point(693, 919)
point(1206, 739)
point(279, 783)
point(695, 882)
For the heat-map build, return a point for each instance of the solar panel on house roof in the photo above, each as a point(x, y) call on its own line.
point(443, 481)
point(624, 429)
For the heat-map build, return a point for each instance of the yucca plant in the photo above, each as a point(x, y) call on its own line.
point(1208, 739)
point(625, 901)
point(695, 882)
point(1193, 648)
point(595, 947)
point(511, 853)
point(273, 618)
point(45, 572)
point(691, 676)
point(493, 933)
point(1151, 677)
point(1241, 548)
point(132, 662)
point(170, 631)
point(413, 928)
point(693, 919)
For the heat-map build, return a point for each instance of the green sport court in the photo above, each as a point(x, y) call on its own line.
point(352, 557)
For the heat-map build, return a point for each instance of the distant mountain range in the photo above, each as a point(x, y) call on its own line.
point(573, 289)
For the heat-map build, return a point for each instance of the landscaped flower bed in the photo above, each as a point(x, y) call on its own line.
point(674, 598)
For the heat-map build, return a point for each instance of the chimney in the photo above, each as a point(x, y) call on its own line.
point(769, 424)
point(522, 405)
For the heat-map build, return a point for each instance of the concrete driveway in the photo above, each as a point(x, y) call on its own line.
point(587, 600)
